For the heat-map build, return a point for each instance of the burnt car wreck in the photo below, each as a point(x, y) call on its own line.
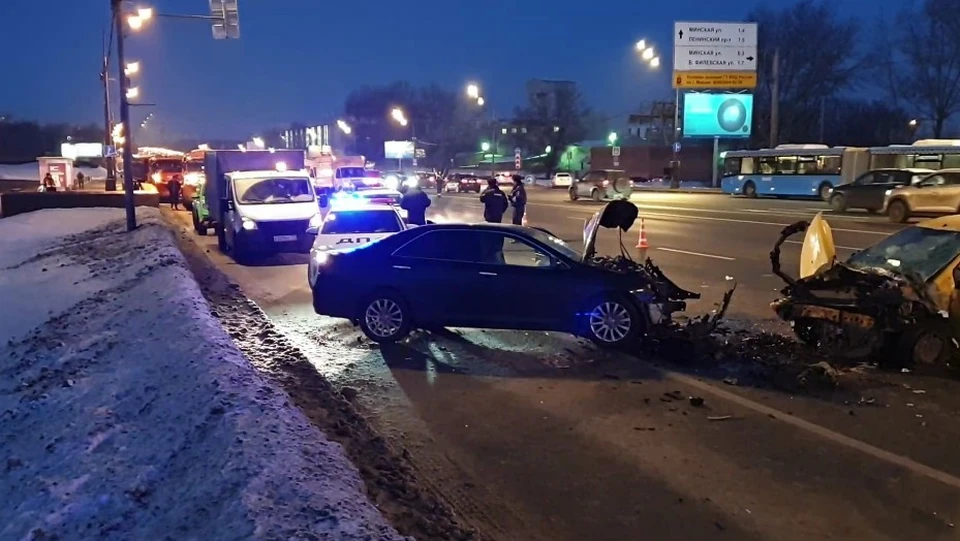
point(874, 306)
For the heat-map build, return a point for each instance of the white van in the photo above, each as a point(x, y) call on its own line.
point(268, 212)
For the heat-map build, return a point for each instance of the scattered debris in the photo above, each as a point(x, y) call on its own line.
point(720, 418)
point(696, 401)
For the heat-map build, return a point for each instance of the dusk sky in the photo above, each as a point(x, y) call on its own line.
point(298, 59)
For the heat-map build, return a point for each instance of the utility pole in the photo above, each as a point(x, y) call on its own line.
point(823, 114)
point(775, 101)
point(111, 161)
point(128, 203)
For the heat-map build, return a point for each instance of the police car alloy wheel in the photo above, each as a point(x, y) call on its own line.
point(384, 319)
point(612, 323)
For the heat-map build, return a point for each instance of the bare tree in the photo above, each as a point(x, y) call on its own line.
point(552, 123)
point(920, 60)
point(817, 61)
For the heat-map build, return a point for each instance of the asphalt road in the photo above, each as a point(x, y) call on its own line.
point(541, 436)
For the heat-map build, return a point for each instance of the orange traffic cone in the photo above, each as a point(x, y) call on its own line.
point(642, 243)
point(523, 221)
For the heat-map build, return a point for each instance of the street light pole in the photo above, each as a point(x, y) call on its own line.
point(110, 184)
point(128, 202)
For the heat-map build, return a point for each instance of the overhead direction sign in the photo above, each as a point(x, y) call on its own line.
point(715, 59)
point(726, 52)
point(714, 79)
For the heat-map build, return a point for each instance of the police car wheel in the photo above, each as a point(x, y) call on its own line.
point(612, 323)
point(385, 318)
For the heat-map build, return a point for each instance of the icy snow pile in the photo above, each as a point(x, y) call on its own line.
point(127, 413)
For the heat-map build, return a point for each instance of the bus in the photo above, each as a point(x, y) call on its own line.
point(808, 171)
point(932, 154)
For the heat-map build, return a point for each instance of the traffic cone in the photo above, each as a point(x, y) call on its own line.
point(642, 243)
point(523, 221)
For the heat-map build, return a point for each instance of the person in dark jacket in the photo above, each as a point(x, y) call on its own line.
point(518, 198)
point(415, 202)
point(80, 180)
point(174, 187)
point(49, 185)
point(495, 202)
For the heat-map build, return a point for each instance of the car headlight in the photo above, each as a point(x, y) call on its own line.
point(321, 258)
point(316, 221)
point(248, 224)
point(156, 177)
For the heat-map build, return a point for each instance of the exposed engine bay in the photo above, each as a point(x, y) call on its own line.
point(856, 312)
point(664, 292)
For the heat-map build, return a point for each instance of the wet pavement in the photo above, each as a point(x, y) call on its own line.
point(543, 436)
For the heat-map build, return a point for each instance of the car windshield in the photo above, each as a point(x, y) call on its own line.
point(167, 166)
point(556, 243)
point(346, 222)
point(351, 172)
point(259, 191)
point(916, 251)
point(193, 167)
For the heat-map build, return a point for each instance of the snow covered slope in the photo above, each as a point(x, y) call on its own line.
point(126, 412)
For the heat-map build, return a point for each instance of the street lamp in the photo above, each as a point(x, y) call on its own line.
point(344, 127)
point(548, 149)
point(480, 101)
point(641, 45)
point(133, 92)
point(485, 146)
point(473, 91)
point(612, 138)
point(655, 62)
point(398, 115)
point(258, 142)
point(132, 68)
point(145, 14)
point(647, 54)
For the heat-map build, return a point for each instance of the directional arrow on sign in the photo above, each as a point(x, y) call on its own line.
point(750, 58)
point(681, 34)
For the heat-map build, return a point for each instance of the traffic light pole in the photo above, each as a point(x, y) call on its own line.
point(111, 161)
point(128, 202)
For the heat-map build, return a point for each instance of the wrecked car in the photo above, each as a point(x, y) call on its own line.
point(897, 299)
point(497, 277)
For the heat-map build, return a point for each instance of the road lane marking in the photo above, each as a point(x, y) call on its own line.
point(674, 250)
point(835, 245)
point(836, 437)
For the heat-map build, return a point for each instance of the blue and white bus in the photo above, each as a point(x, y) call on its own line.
point(809, 171)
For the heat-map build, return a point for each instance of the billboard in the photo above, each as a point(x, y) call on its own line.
point(717, 115)
point(398, 150)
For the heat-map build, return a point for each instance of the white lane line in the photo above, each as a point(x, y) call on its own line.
point(715, 219)
point(711, 256)
point(835, 245)
point(825, 433)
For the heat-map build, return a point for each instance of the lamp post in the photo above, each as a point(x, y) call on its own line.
point(398, 115)
point(126, 93)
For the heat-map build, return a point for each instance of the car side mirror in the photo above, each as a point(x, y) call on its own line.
point(228, 204)
point(956, 277)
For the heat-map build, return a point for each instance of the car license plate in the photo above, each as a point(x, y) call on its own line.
point(284, 238)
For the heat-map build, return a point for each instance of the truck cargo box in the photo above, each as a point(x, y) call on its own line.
point(217, 163)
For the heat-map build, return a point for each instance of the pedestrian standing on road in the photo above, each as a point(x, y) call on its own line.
point(415, 202)
point(80, 180)
point(174, 187)
point(440, 181)
point(49, 185)
point(495, 202)
point(518, 198)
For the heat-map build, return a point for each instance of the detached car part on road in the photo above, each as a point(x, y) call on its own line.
point(899, 296)
point(496, 276)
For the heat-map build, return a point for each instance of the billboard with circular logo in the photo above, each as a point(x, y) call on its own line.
point(717, 115)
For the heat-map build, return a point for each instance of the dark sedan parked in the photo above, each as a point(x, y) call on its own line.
point(490, 276)
point(868, 190)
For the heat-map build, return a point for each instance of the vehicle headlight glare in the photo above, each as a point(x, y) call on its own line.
point(248, 224)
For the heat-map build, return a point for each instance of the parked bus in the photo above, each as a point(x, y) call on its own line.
point(808, 171)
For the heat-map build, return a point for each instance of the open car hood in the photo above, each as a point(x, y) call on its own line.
point(818, 253)
point(615, 214)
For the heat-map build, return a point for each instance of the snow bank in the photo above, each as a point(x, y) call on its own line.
point(126, 412)
point(31, 171)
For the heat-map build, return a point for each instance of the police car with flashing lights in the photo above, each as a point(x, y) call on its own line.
point(351, 223)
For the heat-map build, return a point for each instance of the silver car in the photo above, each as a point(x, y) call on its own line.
point(602, 185)
point(936, 194)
